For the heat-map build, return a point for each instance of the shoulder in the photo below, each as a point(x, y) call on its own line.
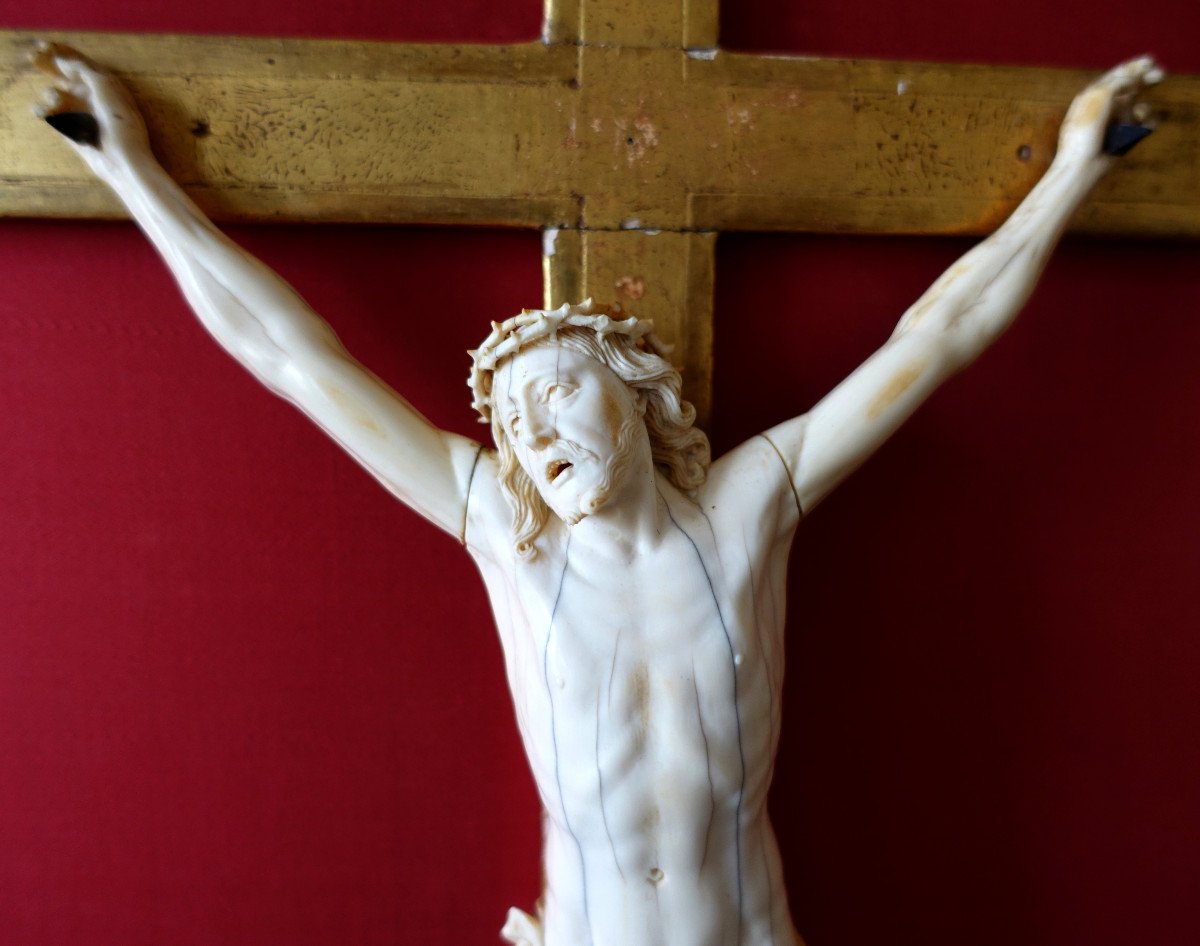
point(486, 518)
point(753, 480)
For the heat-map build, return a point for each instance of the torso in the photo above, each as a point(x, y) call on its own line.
point(647, 698)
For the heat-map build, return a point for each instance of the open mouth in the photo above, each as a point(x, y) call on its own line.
point(556, 468)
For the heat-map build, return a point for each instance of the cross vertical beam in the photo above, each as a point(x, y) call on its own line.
point(661, 273)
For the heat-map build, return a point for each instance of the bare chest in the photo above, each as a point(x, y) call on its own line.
point(635, 683)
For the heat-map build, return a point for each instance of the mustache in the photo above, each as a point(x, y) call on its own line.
point(569, 450)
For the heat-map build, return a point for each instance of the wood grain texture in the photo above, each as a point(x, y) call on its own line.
point(310, 130)
point(567, 135)
point(674, 24)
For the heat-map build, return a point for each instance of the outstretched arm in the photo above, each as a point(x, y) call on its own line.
point(254, 315)
point(966, 309)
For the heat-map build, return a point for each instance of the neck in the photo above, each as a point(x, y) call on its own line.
point(634, 518)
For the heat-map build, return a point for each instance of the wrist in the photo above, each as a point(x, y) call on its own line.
point(1076, 173)
point(126, 173)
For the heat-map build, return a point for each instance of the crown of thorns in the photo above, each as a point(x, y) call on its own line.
point(511, 335)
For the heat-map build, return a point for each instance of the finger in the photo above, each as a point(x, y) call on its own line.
point(1149, 72)
point(89, 81)
point(1124, 77)
point(1141, 64)
point(1139, 72)
point(1124, 105)
point(52, 97)
point(46, 58)
point(76, 91)
point(60, 99)
point(57, 102)
point(1113, 97)
point(68, 67)
point(64, 54)
point(52, 57)
point(74, 67)
point(1128, 105)
point(110, 97)
point(43, 59)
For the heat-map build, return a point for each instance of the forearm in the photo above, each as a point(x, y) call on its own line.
point(981, 294)
point(966, 309)
point(252, 312)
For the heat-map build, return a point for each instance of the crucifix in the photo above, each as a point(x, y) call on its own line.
point(649, 215)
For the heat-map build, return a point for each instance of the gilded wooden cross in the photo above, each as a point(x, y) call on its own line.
point(625, 133)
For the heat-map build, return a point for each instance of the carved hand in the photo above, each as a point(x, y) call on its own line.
point(1111, 99)
point(91, 107)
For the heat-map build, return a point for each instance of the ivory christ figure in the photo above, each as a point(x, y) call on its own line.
point(638, 588)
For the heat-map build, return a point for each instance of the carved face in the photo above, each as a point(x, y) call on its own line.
point(574, 425)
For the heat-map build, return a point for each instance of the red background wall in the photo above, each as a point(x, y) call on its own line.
point(247, 698)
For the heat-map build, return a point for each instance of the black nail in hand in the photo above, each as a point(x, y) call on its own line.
point(1121, 137)
point(80, 127)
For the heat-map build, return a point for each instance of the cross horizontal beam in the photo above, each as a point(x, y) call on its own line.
point(593, 137)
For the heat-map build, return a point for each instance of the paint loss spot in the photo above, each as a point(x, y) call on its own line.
point(631, 287)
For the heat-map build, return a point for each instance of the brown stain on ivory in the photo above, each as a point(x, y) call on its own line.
point(891, 392)
point(352, 409)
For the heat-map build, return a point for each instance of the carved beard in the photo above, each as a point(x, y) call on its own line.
point(614, 469)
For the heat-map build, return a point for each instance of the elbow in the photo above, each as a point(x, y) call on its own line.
point(962, 333)
point(944, 350)
point(975, 332)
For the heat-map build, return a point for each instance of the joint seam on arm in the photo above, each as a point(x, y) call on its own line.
point(786, 472)
point(462, 535)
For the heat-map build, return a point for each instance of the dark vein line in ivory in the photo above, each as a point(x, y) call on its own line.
point(562, 580)
point(737, 716)
point(712, 796)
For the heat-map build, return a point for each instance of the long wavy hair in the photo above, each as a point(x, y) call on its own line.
point(680, 450)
